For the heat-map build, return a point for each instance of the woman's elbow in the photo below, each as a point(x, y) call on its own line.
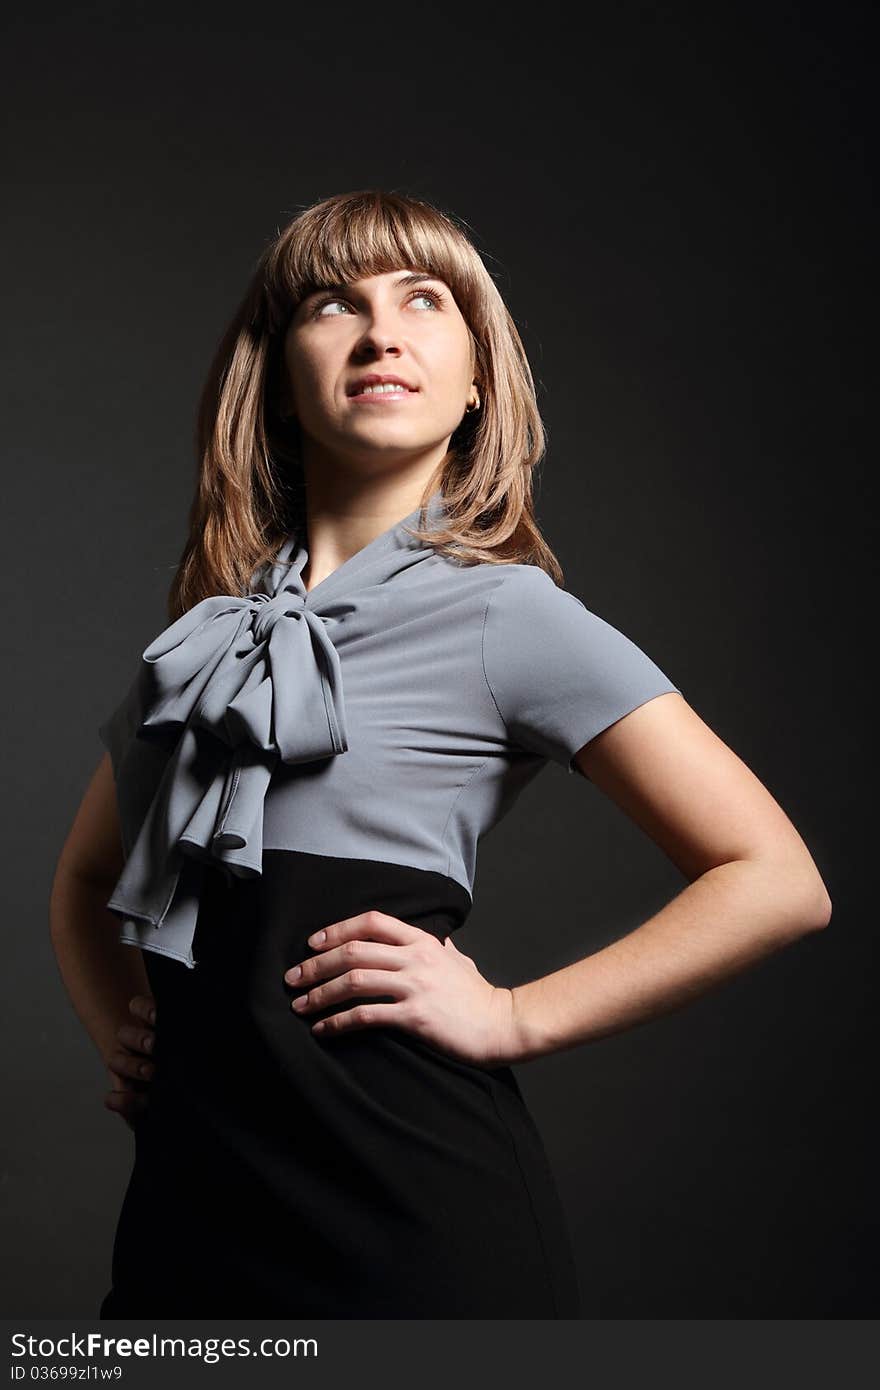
point(814, 905)
point(803, 901)
point(825, 907)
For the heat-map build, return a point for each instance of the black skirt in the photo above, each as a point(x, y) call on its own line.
point(279, 1173)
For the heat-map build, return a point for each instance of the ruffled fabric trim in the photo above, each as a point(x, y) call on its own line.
point(230, 688)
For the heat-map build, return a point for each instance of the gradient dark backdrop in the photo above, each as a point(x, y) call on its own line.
point(677, 213)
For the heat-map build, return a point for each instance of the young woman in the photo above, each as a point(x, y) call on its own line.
point(370, 654)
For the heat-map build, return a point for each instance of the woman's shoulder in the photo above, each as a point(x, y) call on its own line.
point(510, 577)
point(526, 590)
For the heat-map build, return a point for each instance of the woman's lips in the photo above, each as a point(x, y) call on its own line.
point(381, 397)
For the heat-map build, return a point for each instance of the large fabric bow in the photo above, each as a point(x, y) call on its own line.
point(231, 687)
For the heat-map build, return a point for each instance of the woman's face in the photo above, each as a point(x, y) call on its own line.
point(400, 324)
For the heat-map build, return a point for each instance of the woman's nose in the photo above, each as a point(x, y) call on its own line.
point(381, 333)
point(376, 344)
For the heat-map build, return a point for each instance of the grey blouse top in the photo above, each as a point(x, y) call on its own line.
point(394, 713)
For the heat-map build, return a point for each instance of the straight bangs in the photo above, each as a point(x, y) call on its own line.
point(366, 234)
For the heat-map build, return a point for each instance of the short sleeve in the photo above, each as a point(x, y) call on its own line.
point(138, 763)
point(558, 673)
point(118, 728)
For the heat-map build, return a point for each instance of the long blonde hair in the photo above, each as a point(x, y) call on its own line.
point(250, 491)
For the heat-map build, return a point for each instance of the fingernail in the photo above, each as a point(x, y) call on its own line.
point(152, 1015)
point(147, 1042)
point(293, 974)
point(316, 938)
point(301, 1001)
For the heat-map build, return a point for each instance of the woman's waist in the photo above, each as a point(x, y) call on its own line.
point(251, 930)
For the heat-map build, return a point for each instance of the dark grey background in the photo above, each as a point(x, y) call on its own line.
point(678, 214)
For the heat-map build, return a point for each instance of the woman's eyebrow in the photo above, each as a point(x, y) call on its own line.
point(415, 276)
point(412, 277)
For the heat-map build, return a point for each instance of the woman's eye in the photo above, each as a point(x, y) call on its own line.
point(432, 297)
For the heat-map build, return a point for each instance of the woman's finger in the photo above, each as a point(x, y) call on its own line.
point(136, 1037)
point(128, 1064)
point(129, 1069)
point(125, 1101)
point(143, 1006)
point(348, 986)
point(126, 1097)
point(128, 1104)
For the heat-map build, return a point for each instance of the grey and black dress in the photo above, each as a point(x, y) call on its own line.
point(284, 760)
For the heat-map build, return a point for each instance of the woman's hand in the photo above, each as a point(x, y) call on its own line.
point(438, 992)
point(130, 1068)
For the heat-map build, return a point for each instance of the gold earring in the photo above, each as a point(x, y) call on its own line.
point(473, 405)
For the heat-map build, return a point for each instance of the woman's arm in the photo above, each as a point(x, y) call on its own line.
point(101, 973)
point(754, 886)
